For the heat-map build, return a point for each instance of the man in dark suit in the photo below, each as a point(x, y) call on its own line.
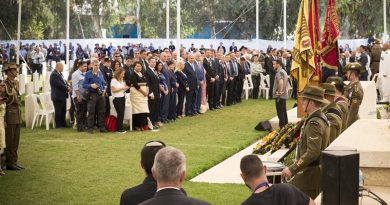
point(286, 62)
point(169, 169)
point(165, 103)
point(269, 69)
point(193, 85)
point(363, 60)
point(153, 81)
point(220, 82)
point(107, 74)
point(59, 93)
point(148, 188)
point(143, 60)
point(233, 79)
point(211, 79)
point(129, 70)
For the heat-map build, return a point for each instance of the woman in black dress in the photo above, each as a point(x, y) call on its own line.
point(139, 98)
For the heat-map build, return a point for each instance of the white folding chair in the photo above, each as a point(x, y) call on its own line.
point(47, 108)
point(264, 88)
point(248, 85)
point(128, 110)
point(38, 111)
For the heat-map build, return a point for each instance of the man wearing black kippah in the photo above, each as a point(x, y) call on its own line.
point(148, 188)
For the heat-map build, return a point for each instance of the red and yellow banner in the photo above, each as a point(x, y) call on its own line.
point(314, 28)
point(303, 66)
point(330, 35)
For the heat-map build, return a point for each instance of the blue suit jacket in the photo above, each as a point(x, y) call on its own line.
point(59, 89)
point(192, 79)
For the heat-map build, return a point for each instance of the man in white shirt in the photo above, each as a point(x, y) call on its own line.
point(38, 58)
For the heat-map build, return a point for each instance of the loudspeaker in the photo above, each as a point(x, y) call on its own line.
point(263, 126)
point(340, 177)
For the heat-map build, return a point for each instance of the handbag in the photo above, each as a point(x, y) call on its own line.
point(111, 123)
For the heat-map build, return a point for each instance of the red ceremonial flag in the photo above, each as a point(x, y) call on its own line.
point(314, 29)
point(330, 35)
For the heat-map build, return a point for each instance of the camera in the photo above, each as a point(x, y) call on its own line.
point(99, 91)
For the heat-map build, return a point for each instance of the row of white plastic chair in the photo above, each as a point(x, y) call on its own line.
point(44, 110)
point(264, 87)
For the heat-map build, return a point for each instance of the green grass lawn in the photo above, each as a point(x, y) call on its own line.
point(66, 167)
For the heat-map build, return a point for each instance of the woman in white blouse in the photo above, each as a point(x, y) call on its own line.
point(118, 88)
point(257, 69)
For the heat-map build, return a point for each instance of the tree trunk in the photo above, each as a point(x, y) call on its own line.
point(211, 6)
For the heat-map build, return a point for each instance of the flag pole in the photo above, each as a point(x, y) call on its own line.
point(384, 21)
point(178, 16)
point(167, 26)
point(257, 25)
point(19, 23)
point(67, 33)
point(285, 23)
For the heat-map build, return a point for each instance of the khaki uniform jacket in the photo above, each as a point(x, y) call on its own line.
point(314, 139)
point(342, 103)
point(375, 59)
point(334, 115)
point(306, 170)
point(12, 110)
point(354, 93)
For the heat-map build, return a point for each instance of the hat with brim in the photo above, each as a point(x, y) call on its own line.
point(10, 66)
point(336, 81)
point(315, 93)
point(354, 67)
point(330, 89)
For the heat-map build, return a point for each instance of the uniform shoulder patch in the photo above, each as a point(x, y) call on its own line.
point(300, 161)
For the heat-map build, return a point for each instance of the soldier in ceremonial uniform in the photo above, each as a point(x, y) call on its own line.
point(12, 119)
point(314, 138)
point(332, 111)
point(376, 52)
point(353, 91)
point(341, 102)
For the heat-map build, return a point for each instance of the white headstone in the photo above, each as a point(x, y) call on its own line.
point(36, 81)
point(30, 88)
point(29, 109)
point(22, 84)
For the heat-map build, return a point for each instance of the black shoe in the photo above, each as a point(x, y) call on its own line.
point(13, 168)
point(18, 165)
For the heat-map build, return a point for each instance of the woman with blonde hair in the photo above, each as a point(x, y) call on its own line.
point(118, 89)
point(182, 89)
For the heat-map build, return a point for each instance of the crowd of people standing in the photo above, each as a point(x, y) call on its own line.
point(163, 86)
